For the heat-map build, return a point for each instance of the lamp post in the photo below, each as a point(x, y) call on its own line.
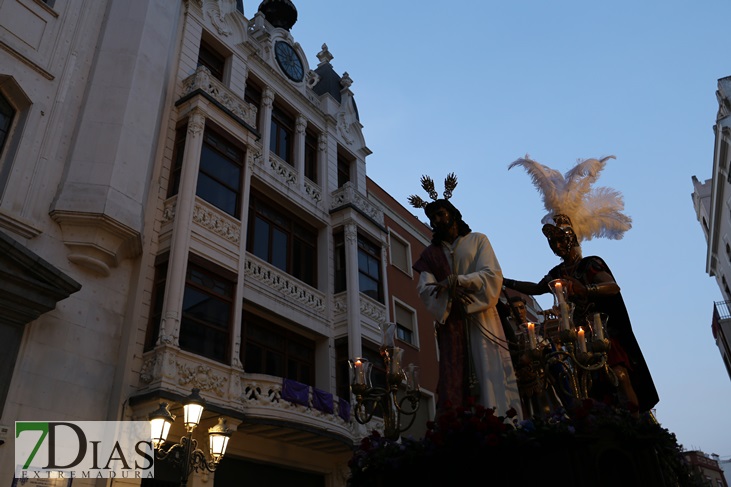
point(186, 453)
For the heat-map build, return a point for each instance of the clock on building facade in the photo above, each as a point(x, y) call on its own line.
point(289, 61)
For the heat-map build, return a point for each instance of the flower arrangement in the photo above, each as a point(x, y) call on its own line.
point(591, 444)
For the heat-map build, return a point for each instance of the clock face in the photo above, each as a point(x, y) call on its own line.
point(289, 61)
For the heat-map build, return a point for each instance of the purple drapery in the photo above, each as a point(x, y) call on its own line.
point(295, 392)
point(344, 409)
point(322, 401)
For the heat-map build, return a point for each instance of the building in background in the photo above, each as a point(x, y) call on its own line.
point(184, 204)
point(713, 213)
point(707, 466)
point(710, 200)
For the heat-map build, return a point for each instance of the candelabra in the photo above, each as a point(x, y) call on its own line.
point(186, 453)
point(370, 399)
point(565, 359)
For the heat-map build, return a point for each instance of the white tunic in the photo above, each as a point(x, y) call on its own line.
point(472, 259)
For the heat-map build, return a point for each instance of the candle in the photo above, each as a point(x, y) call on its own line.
point(559, 293)
point(359, 374)
point(582, 340)
point(532, 335)
point(598, 328)
point(564, 309)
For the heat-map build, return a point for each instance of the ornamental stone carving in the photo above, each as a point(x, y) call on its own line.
point(313, 191)
point(285, 285)
point(217, 223)
point(202, 377)
point(375, 311)
point(348, 195)
point(283, 171)
point(203, 81)
point(168, 212)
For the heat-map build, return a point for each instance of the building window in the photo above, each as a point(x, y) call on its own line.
point(205, 325)
point(283, 241)
point(340, 276)
point(215, 62)
point(220, 175)
point(273, 350)
point(14, 111)
point(343, 170)
point(405, 323)
point(178, 153)
point(282, 135)
point(400, 253)
point(7, 113)
point(311, 156)
point(158, 294)
point(252, 95)
point(207, 310)
point(369, 269)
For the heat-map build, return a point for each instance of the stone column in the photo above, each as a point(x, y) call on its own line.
point(265, 122)
point(180, 241)
point(353, 286)
point(322, 167)
point(253, 157)
point(299, 150)
point(384, 281)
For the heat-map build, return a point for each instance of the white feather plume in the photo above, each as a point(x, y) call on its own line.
point(594, 212)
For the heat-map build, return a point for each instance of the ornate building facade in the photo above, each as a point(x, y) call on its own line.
point(184, 204)
point(711, 203)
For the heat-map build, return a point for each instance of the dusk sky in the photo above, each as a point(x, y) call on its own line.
point(468, 87)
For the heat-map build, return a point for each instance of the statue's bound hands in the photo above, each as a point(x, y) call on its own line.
point(456, 292)
point(438, 287)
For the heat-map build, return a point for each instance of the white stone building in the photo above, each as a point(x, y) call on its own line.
point(711, 201)
point(184, 204)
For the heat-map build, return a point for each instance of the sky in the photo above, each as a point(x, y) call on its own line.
point(468, 87)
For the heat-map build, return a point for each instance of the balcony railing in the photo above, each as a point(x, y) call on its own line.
point(260, 397)
point(722, 309)
point(202, 82)
point(347, 195)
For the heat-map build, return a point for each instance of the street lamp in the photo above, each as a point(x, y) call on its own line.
point(186, 453)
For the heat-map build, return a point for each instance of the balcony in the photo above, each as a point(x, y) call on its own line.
point(269, 406)
point(721, 328)
point(348, 196)
point(273, 288)
point(202, 83)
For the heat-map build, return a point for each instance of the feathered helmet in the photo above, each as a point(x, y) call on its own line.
point(450, 182)
point(573, 205)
